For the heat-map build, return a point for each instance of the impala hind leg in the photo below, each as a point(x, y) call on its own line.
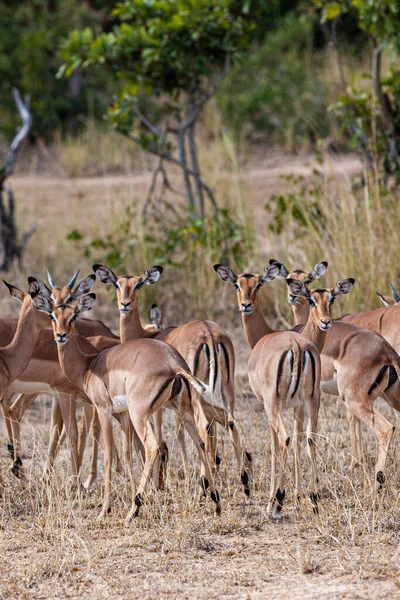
point(221, 416)
point(105, 419)
point(297, 435)
point(312, 419)
point(160, 467)
point(355, 440)
point(279, 452)
point(383, 430)
point(84, 427)
point(180, 436)
point(151, 446)
point(6, 403)
point(207, 478)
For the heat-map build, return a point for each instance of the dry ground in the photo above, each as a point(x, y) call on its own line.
point(52, 547)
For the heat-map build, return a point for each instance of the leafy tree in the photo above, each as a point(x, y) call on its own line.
point(170, 58)
point(30, 32)
point(373, 118)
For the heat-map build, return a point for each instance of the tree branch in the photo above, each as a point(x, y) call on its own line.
point(23, 109)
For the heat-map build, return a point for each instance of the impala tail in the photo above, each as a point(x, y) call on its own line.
point(212, 366)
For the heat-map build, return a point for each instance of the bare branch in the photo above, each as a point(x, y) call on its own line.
point(23, 109)
point(147, 123)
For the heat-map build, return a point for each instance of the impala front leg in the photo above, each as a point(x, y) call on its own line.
point(105, 416)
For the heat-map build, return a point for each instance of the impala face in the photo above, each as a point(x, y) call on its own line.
point(300, 275)
point(128, 286)
point(248, 284)
point(64, 315)
point(320, 300)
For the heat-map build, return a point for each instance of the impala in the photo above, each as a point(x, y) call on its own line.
point(284, 373)
point(206, 348)
point(43, 375)
point(387, 300)
point(138, 376)
point(358, 366)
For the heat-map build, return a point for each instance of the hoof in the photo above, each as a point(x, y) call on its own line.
point(277, 513)
point(15, 470)
point(249, 502)
point(89, 482)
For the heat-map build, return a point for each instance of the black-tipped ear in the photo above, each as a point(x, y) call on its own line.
point(105, 274)
point(85, 303)
point(283, 272)
point(84, 286)
point(35, 286)
point(151, 275)
point(343, 287)
point(317, 272)
point(43, 303)
point(225, 273)
point(14, 291)
point(270, 272)
point(386, 300)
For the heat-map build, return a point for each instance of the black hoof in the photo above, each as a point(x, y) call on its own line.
point(10, 448)
point(204, 484)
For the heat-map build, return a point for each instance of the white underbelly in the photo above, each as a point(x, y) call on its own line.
point(120, 404)
point(31, 387)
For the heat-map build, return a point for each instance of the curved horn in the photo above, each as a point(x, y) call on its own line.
point(394, 293)
point(71, 284)
point(50, 280)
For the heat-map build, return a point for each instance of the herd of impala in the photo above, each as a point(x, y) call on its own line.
point(190, 369)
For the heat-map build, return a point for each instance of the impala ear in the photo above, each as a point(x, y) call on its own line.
point(15, 292)
point(343, 287)
point(150, 276)
point(386, 300)
point(105, 274)
point(317, 272)
point(156, 316)
point(270, 272)
point(298, 288)
point(283, 272)
point(225, 273)
point(84, 286)
point(43, 303)
point(35, 286)
point(85, 303)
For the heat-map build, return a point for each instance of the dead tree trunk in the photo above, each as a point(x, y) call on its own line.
point(10, 247)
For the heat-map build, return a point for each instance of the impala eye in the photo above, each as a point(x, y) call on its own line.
point(51, 318)
point(311, 301)
point(73, 318)
point(236, 286)
point(331, 300)
point(257, 286)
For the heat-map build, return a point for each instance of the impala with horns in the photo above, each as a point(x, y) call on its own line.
point(358, 366)
point(43, 375)
point(138, 376)
point(284, 373)
point(206, 348)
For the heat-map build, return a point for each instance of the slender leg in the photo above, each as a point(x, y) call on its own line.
point(277, 492)
point(16, 412)
point(151, 447)
point(55, 432)
point(298, 431)
point(355, 440)
point(84, 426)
point(180, 434)
point(95, 426)
point(5, 405)
point(105, 418)
point(162, 456)
point(127, 430)
point(68, 410)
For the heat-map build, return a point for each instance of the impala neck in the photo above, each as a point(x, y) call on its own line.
point(301, 313)
point(19, 352)
point(130, 326)
point(75, 357)
point(313, 333)
point(255, 326)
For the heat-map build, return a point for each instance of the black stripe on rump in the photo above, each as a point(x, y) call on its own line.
point(312, 360)
point(280, 370)
point(225, 351)
point(378, 380)
point(163, 388)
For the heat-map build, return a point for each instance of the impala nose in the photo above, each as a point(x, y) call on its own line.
point(326, 323)
point(246, 307)
point(125, 306)
point(61, 338)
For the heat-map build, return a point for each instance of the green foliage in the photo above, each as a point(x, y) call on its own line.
point(160, 47)
point(276, 88)
point(29, 38)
